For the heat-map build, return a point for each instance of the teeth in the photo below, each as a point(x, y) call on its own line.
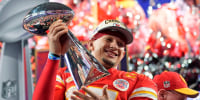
point(112, 54)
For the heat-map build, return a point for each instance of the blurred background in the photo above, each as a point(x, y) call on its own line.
point(166, 35)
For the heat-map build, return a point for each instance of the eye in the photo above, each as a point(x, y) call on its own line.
point(121, 44)
point(109, 39)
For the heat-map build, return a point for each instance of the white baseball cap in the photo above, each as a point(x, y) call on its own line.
point(114, 25)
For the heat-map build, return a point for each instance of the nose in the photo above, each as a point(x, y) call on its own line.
point(114, 44)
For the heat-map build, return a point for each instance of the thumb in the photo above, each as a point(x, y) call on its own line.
point(105, 92)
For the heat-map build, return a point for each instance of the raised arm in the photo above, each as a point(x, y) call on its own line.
point(58, 45)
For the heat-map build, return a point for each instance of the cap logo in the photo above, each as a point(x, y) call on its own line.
point(109, 21)
point(115, 24)
point(121, 84)
point(166, 84)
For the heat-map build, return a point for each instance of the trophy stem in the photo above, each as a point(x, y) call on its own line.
point(83, 67)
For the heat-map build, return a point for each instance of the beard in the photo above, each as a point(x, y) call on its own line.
point(109, 64)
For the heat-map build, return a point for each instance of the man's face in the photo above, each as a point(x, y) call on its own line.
point(171, 95)
point(108, 50)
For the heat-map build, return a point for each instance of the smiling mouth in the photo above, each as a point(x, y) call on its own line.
point(111, 53)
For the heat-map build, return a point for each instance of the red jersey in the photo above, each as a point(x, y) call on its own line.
point(121, 86)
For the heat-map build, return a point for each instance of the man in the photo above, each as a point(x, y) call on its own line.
point(107, 45)
point(172, 86)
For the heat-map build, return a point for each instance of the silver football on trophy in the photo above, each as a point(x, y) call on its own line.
point(38, 20)
point(83, 67)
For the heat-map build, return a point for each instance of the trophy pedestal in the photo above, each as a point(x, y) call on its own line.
point(15, 72)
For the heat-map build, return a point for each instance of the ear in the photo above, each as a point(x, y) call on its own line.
point(162, 94)
point(90, 45)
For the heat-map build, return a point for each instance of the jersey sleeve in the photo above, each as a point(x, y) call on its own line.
point(145, 89)
point(59, 91)
point(45, 86)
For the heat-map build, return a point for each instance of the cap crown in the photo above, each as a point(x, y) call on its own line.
point(170, 81)
point(114, 25)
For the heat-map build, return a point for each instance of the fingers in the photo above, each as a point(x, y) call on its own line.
point(75, 98)
point(57, 37)
point(75, 94)
point(57, 29)
point(105, 92)
point(54, 24)
point(83, 96)
point(90, 95)
point(79, 94)
point(89, 92)
point(61, 34)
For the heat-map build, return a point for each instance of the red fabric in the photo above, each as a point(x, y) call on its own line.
point(47, 31)
point(45, 87)
point(65, 85)
point(98, 35)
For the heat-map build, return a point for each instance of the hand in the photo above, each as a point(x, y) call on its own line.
point(58, 39)
point(91, 96)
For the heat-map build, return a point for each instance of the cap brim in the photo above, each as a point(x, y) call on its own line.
point(127, 34)
point(189, 92)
